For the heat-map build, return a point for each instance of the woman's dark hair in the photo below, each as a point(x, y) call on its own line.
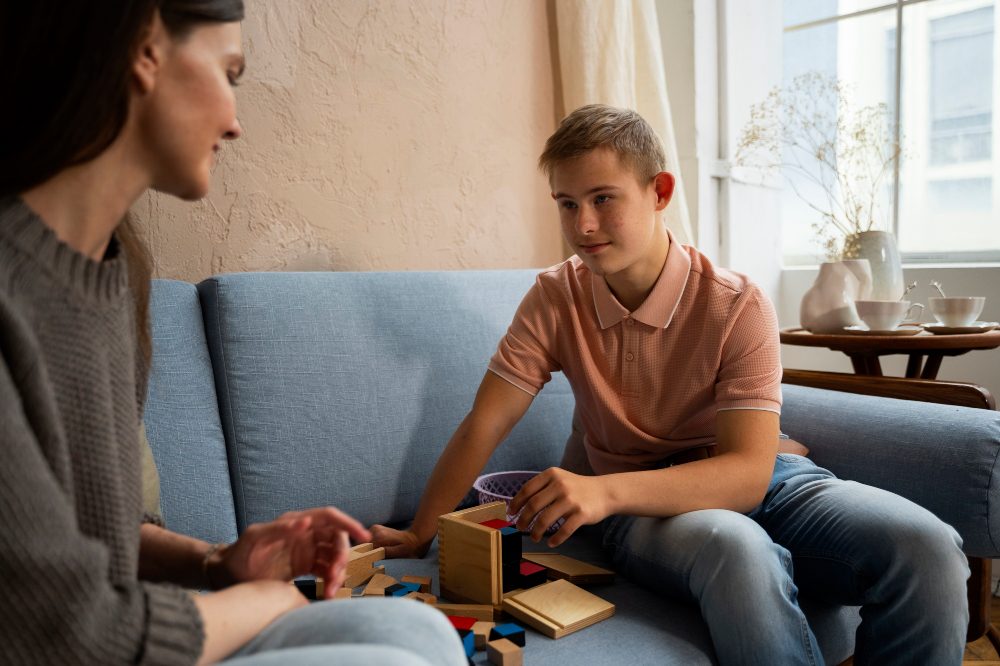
point(65, 71)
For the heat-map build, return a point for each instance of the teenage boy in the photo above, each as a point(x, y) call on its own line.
point(673, 360)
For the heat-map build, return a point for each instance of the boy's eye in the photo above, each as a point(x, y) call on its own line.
point(567, 204)
point(601, 198)
point(234, 79)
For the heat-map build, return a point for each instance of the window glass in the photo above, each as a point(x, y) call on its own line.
point(948, 208)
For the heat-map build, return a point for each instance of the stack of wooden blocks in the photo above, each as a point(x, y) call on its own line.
point(476, 561)
point(483, 568)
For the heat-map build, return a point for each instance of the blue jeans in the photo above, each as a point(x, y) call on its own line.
point(833, 540)
point(356, 632)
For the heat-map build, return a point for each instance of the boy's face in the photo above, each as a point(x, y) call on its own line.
point(609, 218)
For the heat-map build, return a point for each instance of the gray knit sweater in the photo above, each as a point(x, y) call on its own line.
point(70, 484)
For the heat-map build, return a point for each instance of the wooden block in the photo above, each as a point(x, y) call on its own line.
point(479, 611)
point(363, 577)
point(566, 568)
point(468, 642)
point(558, 608)
point(360, 562)
point(461, 622)
point(423, 596)
point(401, 589)
point(512, 632)
point(481, 630)
point(497, 523)
point(504, 653)
point(532, 575)
point(376, 586)
point(469, 567)
point(307, 586)
point(423, 581)
point(343, 593)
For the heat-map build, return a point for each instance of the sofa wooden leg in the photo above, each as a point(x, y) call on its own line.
point(994, 635)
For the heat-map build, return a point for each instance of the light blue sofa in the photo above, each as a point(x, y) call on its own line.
point(280, 391)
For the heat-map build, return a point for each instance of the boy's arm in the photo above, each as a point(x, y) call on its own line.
point(499, 405)
point(735, 478)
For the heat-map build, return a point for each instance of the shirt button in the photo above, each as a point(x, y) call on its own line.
point(630, 321)
point(629, 356)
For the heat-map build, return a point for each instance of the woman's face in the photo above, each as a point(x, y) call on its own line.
point(190, 107)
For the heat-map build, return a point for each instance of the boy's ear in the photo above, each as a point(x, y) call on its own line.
point(663, 183)
point(149, 55)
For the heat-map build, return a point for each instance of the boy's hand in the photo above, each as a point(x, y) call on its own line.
point(398, 543)
point(555, 494)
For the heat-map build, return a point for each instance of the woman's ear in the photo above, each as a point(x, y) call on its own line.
point(149, 55)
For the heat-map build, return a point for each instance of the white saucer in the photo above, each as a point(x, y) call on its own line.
point(901, 330)
point(974, 327)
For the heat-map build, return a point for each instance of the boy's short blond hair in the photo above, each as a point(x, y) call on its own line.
point(601, 126)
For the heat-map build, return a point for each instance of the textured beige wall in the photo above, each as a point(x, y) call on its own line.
point(380, 135)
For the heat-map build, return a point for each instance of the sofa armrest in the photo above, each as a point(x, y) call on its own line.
point(943, 457)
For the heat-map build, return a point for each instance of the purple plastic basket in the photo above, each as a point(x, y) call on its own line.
point(502, 486)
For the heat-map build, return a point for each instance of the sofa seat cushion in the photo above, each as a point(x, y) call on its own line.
point(646, 628)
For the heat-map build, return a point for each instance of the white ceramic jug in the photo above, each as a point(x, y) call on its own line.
point(828, 306)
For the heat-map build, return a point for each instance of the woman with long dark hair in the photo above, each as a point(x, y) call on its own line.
point(102, 101)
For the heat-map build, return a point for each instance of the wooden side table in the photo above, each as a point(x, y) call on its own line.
point(865, 350)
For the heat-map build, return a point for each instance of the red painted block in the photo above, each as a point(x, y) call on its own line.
point(496, 523)
point(461, 622)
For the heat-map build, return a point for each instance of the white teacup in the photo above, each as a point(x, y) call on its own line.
point(884, 315)
point(956, 310)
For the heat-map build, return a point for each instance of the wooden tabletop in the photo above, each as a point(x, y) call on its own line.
point(889, 344)
point(865, 350)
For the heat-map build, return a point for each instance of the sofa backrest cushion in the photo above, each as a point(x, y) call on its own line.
point(182, 419)
point(343, 388)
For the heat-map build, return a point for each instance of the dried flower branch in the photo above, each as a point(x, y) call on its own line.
point(811, 132)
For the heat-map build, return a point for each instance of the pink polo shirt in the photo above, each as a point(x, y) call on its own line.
point(647, 383)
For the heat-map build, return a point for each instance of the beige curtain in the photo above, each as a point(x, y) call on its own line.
point(609, 53)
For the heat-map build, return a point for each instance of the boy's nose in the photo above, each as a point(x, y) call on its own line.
point(586, 221)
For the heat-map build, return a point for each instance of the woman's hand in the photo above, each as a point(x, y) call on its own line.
point(316, 541)
point(555, 494)
point(398, 543)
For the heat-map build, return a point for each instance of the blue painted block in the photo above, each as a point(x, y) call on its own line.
point(511, 631)
point(468, 641)
point(401, 589)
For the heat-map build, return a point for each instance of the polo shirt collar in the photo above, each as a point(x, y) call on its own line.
point(659, 307)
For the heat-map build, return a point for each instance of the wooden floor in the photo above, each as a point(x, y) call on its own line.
point(981, 653)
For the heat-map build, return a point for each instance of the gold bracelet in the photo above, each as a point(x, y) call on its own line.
point(212, 550)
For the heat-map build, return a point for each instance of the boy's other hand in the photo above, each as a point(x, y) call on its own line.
point(398, 543)
point(554, 494)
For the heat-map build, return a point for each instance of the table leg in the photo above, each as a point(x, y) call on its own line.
point(866, 364)
point(932, 366)
point(913, 366)
point(859, 363)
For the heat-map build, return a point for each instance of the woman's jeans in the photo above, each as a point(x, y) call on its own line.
point(832, 540)
point(356, 632)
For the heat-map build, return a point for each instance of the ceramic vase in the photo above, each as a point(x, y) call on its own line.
point(879, 248)
point(828, 306)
